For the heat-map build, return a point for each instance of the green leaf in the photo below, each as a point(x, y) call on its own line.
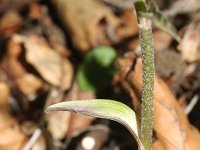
point(161, 22)
point(101, 108)
point(140, 6)
point(97, 70)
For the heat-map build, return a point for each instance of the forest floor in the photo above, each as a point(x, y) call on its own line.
point(60, 50)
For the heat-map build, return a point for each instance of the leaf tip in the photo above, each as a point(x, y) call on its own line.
point(48, 109)
point(51, 108)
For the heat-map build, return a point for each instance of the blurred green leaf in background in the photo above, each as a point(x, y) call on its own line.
point(97, 70)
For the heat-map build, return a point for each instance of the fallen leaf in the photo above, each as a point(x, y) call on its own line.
point(11, 63)
point(190, 44)
point(161, 40)
point(14, 67)
point(52, 67)
point(173, 68)
point(78, 123)
point(130, 25)
point(35, 11)
point(29, 84)
point(11, 137)
point(58, 124)
point(40, 143)
point(10, 23)
point(183, 6)
point(13, 4)
point(84, 23)
point(5, 93)
point(58, 41)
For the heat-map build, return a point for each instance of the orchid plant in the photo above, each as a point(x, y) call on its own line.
point(117, 111)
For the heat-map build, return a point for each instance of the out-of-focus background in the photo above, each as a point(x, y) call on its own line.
point(59, 50)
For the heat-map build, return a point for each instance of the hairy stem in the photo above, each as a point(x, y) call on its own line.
point(148, 82)
point(145, 33)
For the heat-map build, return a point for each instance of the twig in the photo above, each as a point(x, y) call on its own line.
point(33, 139)
point(191, 105)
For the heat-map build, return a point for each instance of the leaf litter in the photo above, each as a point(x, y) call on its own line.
point(44, 43)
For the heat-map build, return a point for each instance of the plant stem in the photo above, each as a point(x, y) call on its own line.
point(147, 108)
point(148, 82)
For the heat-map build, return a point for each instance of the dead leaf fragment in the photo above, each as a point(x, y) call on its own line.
point(130, 25)
point(183, 6)
point(40, 144)
point(11, 137)
point(84, 22)
point(58, 123)
point(5, 93)
point(52, 67)
point(28, 83)
point(11, 62)
point(190, 44)
point(10, 23)
point(161, 39)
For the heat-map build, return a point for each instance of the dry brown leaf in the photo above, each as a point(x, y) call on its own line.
point(10, 23)
point(28, 83)
point(183, 6)
point(78, 123)
point(51, 66)
point(11, 137)
point(130, 25)
point(5, 93)
point(161, 39)
point(173, 68)
point(58, 40)
point(190, 44)
point(35, 11)
point(14, 4)
point(11, 62)
point(84, 22)
point(40, 144)
point(58, 124)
